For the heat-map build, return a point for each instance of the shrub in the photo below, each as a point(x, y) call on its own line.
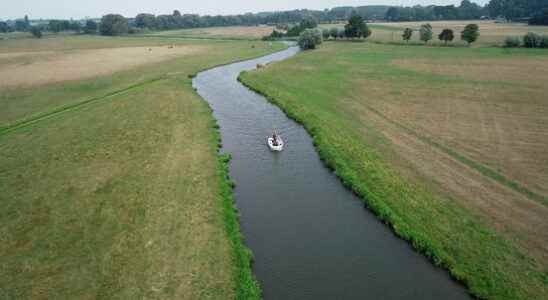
point(512, 42)
point(531, 40)
point(334, 32)
point(310, 39)
point(325, 33)
point(341, 33)
point(544, 41)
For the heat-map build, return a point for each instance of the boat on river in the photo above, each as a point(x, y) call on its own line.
point(275, 142)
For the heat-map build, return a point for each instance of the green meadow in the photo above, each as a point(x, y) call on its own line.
point(112, 186)
point(444, 144)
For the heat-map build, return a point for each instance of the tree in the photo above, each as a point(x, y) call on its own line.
point(36, 31)
point(470, 33)
point(310, 39)
point(113, 25)
point(309, 22)
point(21, 25)
point(540, 19)
point(407, 34)
point(4, 27)
point(446, 35)
point(91, 27)
point(75, 26)
point(145, 21)
point(425, 33)
point(334, 32)
point(356, 28)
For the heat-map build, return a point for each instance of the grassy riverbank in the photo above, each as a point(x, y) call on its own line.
point(112, 186)
point(446, 151)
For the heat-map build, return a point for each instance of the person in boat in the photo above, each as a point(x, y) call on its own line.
point(275, 139)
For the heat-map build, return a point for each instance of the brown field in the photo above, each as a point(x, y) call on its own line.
point(238, 32)
point(491, 33)
point(36, 68)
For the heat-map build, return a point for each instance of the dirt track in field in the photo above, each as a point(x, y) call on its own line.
point(30, 69)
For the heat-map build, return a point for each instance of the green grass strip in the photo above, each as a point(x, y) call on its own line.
point(70, 108)
point(247, 288)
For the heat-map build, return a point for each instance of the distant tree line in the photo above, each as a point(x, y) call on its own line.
point(533, 11)
point(466, 11)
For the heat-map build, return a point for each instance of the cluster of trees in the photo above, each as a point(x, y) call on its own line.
point(466, 11)
point(536, 10)
point(355, 28)
point(470, 34)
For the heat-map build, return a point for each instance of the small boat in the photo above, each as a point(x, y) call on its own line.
point(275, 142)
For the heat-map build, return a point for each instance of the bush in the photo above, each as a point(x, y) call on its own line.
point(310, 39)
point(544, 41)
point(334, 32)
point(532, 40)
point(36, 31)
point(325, 34)
point(512, 42)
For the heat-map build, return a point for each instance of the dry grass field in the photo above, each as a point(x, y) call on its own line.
point(36, 68)
point(491, 33)
point(112, 187)
point(464, 127)
point(230, 32)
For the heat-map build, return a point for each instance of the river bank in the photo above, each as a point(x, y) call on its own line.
point(364, 158)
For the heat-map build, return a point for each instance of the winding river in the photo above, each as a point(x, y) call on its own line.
point(310, 236)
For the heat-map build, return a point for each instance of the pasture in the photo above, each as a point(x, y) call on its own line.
point(448, 145)
point(111, 183)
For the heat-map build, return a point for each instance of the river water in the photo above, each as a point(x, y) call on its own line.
point(310, 236)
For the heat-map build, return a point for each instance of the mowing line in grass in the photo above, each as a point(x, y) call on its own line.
point(486, 171)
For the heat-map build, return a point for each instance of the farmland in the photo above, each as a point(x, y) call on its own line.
point(446, 144)
point(111, 182)
point(491, 33)
point(230, 32)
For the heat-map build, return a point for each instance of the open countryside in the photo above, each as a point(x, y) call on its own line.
point(196, 156)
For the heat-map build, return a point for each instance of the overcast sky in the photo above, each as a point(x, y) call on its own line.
point(65, 9)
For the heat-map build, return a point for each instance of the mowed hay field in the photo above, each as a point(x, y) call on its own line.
point(228, 32)
point(449, 145)
point(491, 33)
point(112, 187)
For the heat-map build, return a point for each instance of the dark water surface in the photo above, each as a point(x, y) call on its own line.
point(311, 237)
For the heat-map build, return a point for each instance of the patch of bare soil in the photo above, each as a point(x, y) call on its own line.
point(81, 64)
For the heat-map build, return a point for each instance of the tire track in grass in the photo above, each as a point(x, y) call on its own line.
point(484, 170)
point(71, 107)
